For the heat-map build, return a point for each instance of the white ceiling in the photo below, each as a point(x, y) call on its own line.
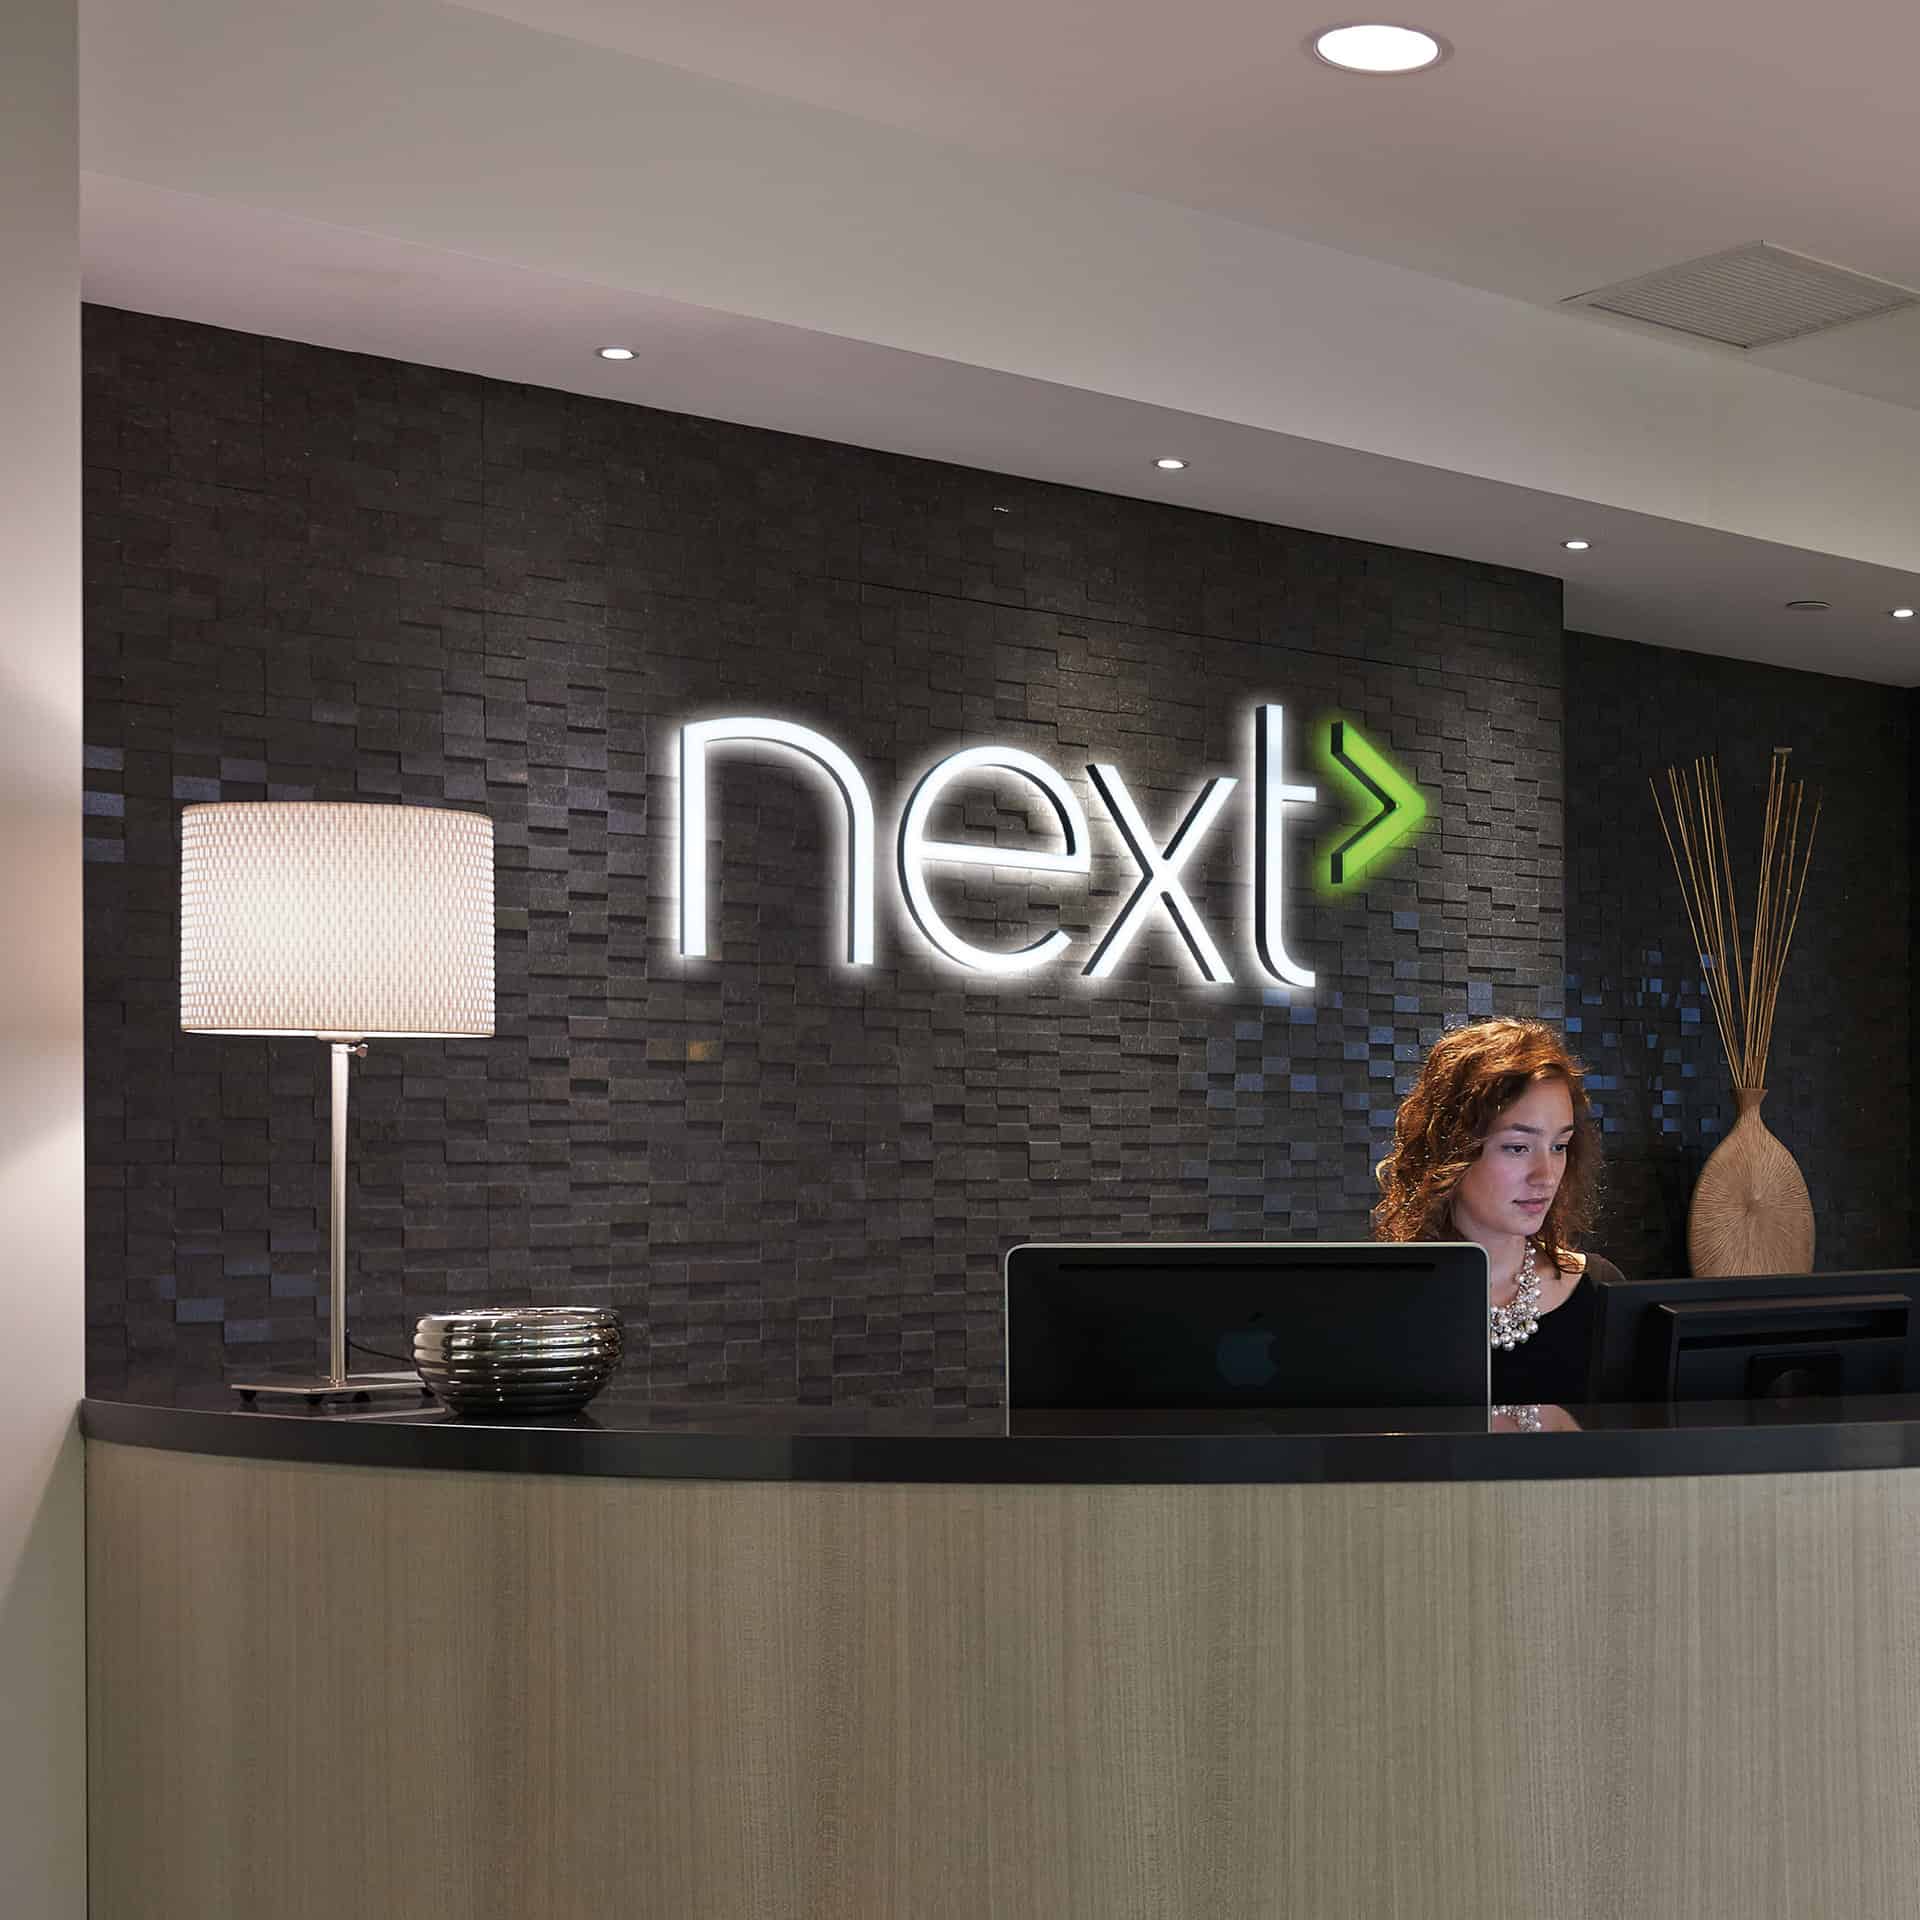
point(996, 235)
point(1560, 148)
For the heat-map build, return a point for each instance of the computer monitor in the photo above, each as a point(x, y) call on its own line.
point(1773, 1336)
point(1247, 1324)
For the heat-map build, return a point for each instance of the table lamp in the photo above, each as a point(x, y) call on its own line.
point(343, 922)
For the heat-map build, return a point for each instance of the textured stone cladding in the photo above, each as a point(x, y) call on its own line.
point(315, 574)
point(1839, 1094)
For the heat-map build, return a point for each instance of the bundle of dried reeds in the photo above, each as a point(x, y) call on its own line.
point(1743, 985)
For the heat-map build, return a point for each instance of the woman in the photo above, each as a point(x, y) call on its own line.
point(1496, 1144)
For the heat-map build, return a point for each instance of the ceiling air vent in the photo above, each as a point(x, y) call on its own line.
point(1752, 296)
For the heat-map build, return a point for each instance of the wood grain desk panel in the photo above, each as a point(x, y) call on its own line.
point(329, 1689)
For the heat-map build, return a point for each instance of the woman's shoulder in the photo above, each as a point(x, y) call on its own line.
point(1590, 1266)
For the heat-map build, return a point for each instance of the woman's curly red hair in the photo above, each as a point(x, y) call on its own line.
point(1472, 1075)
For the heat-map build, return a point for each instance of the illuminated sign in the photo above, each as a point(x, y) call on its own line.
point(917, 852)
point(696, 741)
point(1395, 809)
point(1399, 806)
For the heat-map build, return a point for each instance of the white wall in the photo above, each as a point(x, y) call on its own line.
point(42, 1584)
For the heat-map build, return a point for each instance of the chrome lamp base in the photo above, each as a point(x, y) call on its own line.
point(316, 1386)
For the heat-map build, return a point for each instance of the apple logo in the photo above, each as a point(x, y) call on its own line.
point(1246, 1359)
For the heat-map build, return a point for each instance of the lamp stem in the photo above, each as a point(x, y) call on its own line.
point(342, 1051)
point(336, 1380)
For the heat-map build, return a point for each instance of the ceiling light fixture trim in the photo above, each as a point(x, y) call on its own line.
point(1378, 49)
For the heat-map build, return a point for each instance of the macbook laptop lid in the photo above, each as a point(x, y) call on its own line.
point(1247, 1324)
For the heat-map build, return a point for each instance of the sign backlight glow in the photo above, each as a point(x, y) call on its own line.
point(1394, 808)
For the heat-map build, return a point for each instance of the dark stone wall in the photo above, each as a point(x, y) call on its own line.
point(1840, 1093)
point(317, 574)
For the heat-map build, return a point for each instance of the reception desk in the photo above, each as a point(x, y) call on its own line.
point(700, 1663)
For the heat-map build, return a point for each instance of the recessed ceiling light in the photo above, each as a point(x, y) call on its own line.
point(616, 353)
point(1576, 546)
point(1809, 606)
point(1170, 465)
point(1369, 47)
point(1903, 613)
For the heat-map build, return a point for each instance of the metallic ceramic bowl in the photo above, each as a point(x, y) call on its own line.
point(507, 1360)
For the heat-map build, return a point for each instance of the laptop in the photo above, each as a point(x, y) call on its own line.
point(1221, 1324)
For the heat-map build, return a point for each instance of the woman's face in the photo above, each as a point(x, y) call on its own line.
point(1508, 1189)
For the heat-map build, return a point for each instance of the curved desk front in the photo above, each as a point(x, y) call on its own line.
point(708, 1662)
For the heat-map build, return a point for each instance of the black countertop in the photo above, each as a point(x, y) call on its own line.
point(626, 1436)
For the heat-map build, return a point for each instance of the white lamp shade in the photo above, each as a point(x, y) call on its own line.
point(316, 917)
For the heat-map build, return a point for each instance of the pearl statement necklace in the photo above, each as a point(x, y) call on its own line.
point(1519, 1320)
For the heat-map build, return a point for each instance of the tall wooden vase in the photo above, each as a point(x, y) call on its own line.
point(1750, 1212)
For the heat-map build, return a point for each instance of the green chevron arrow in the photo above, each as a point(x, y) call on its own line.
point(1395, 806)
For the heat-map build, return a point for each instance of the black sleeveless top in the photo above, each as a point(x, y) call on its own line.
point(1556, 1365)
